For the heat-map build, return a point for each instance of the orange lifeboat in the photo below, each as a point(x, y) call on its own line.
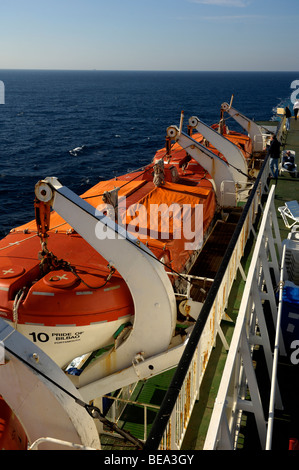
point(12, 434)
point(75, 304)
point(66, 313)
point(187, 167)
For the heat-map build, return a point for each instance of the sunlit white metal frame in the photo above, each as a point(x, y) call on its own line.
point(190, 391)
point(290, 213)
point(253, 129)
point(239, 375)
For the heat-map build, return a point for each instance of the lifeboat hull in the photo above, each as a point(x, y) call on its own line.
point(67, 314)
point(66, 342)
point(12, 434)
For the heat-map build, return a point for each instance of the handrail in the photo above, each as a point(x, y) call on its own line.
point(125, 401)
point(223, 426)
point(172, 394)
point(275, 357)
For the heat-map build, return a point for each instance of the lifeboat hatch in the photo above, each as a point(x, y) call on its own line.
point(14, 277)
point(10, 271)
point(60, 279)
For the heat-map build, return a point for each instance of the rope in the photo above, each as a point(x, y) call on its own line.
point(16, 243)
point(16, 304)
point(134, 171)
point(229, 164)
point(55, 263)
point(125, 184)
point(93, 411)
point(253, 178)
point(28, 238)
point(65, 265)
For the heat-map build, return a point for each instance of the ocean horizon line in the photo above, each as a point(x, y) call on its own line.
point(143, 71)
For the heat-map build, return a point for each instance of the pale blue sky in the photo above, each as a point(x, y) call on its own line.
point(150, 34)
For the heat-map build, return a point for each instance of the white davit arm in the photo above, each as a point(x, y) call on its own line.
point(31, 383)
point(150, 287)
point(230, 151)
point(254, 131)
point(218, 169)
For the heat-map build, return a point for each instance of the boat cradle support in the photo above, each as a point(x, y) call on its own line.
point(229, 150)
point(41, 395)
point(218, 169)
point(254, 131)
point(155, 307)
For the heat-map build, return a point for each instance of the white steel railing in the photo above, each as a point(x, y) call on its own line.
point(180, 415)
point(120, 402)
point(239, 375)
point(276, 349)
point(116, 416)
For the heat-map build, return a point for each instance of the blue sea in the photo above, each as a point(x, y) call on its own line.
point(85, 126)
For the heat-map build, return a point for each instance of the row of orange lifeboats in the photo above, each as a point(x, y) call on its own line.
point(68, 307)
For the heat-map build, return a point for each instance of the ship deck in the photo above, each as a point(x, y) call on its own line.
point(286, 421)
point(152, 391)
